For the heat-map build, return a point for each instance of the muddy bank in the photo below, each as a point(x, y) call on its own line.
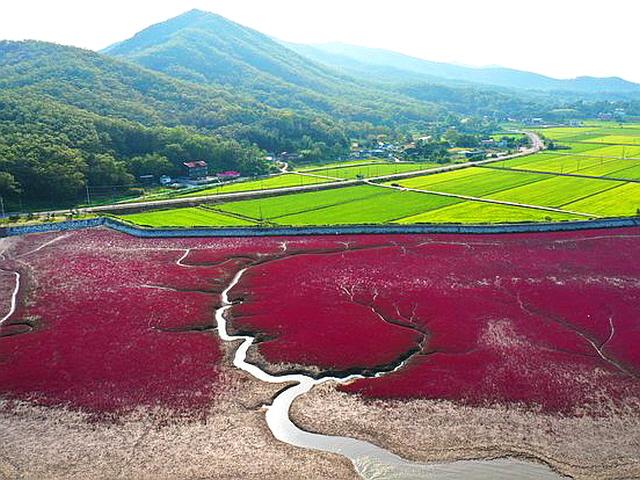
point(587, 448)
point(232, 442)
point(254, 357)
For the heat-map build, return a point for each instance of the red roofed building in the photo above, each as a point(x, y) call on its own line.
point(197, 169)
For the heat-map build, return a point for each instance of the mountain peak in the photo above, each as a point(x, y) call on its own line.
point(163, 31)
point(203, 47)
point(195, 11)
point(196, 14)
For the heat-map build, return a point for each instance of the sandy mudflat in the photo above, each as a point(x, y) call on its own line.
point(232, 443)
point(586, 448)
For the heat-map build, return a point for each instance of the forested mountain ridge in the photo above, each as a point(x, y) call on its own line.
point(208, 49)
point(108, 86)
point(220, 51)
point(50, 151)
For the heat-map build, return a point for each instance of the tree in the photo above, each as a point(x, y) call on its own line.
point(104, 170)
point(8, 185)
point(152, 164)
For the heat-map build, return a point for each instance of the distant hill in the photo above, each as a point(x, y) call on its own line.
point(107, 86)
point(396, 66)
point(116, 88)
point(344, 83)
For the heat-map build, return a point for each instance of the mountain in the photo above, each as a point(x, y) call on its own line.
point(208, 49)
point(396, 66)
point(101, 84)
point(355, 86)
point(116, 88)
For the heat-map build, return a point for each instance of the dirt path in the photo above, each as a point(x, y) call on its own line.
point(14, 296)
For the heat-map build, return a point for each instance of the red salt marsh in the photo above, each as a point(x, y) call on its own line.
point(546, 320)
point(107, 322)
point(118, 323)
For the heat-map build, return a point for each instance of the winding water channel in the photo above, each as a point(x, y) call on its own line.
point(371, 462)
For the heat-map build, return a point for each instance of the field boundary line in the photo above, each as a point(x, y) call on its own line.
point(593, 194)
point(492, 192)
point(557, 174)
point(500, 189)
point(497, 202)
point(317, 208)
point(605, 144)
point(366, 164)
point(210, 208)
point(569, 154)
point(325, 207)
point(313, 175)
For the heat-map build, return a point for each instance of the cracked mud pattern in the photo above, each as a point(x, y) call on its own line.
point(519, 345)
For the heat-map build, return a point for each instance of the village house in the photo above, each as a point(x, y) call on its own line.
point(196, 170)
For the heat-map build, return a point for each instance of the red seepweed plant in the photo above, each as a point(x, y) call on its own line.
point(107, 322)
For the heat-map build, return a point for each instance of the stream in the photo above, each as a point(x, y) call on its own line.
point(371, 462)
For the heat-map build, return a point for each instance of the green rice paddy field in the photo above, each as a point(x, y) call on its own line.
point(591, 166)
point(596, 133)
point(186, 217)
point(520, 196)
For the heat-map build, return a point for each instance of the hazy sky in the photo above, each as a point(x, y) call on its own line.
point(562, 38)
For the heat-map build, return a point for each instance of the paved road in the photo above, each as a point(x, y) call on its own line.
point(536, 141)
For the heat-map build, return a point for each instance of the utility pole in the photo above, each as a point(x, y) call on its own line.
point(2, 204)
point(88, 196)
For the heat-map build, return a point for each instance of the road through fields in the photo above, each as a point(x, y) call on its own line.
point(537, 145)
